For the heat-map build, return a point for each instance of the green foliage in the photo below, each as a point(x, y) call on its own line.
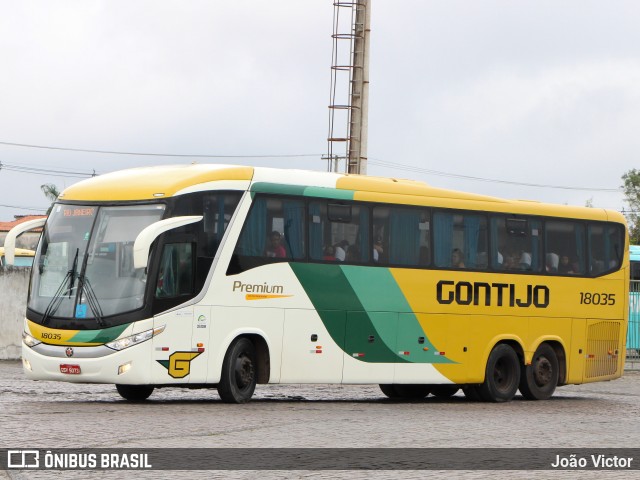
point(631, 188)
point(51, 192)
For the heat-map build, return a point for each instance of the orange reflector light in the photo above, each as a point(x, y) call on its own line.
point(591, 356)
point(426, 349)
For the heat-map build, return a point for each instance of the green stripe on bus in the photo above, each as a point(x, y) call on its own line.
point(368, 336)
point(99, 336)
point(327, 287)
point(300, 190)
point(332, 193)
point(378, 291)
point(277, 188)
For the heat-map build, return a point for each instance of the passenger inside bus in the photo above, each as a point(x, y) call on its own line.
point(378, 250)
point(457, 259)
point(275, 249)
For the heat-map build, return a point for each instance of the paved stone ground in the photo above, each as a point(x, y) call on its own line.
point(56, 415)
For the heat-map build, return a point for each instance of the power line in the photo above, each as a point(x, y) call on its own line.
point(25, 208)
point(409, 168)
point(381, 163)
point(146, 154)
point(45, 171)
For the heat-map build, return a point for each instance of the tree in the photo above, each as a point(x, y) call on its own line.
point(51, 192)
point(631, 188)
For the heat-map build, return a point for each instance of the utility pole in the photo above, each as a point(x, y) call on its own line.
point(358, 128)
point(349, 93)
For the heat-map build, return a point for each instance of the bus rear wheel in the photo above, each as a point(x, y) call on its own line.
point(135, 393)
point(405, 392)
point(538, 381)
point(502, 376)
point(471, 392)
point(238, 379)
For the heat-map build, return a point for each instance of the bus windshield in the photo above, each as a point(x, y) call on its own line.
point(84, 264)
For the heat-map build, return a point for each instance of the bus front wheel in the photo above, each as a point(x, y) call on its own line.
point(538, 381)
point(238, 379)
point(135, 393)
point(502, 376)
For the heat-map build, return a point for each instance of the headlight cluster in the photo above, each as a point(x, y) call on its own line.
point(29, 341)
point(135, 339)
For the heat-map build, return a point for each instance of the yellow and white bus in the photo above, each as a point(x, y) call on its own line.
point(226, 276)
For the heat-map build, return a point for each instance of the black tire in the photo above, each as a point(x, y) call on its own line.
point(538, 381)
point(502, 376)
point(405, 392)
point(444, 391)
point(472, 393)
point(238, 379)
point(389, 390)
point(135, 393)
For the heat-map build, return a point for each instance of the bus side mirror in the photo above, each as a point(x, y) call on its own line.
point(146, 237)
point(10, 240)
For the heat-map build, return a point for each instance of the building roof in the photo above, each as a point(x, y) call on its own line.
point(6, 226)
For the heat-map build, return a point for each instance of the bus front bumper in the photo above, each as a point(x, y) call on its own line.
point(101, 364)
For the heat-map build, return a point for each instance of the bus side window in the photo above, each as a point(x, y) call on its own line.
point(338, 232)
point(568, 239)
point(460, 240)
point(515, 244)
point(401, 236)
point(270, 217)
point(175, 276)
point(605, 248)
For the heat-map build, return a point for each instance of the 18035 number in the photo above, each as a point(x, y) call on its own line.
point(588, 298)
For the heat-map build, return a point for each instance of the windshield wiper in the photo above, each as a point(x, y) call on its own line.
point(55, 302)
point(92, 300)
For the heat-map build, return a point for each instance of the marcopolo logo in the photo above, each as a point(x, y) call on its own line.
point(257, 291)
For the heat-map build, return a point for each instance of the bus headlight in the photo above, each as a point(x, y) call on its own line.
point(135, 339)
point(28, 340)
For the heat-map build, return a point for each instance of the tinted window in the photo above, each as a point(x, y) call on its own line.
point(515, 243)
point(606, 244)
point(460, 240)
point(565, 242)
point(401, 236)
point(273, 232)
point(339, 232)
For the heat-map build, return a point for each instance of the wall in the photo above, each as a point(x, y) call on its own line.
point(14, 284)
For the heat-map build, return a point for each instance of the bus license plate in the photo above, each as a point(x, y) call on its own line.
point(70, 369)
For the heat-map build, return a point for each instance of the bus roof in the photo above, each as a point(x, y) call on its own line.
point(148, 183)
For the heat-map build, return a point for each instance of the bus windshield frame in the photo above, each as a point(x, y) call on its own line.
point(83, 270)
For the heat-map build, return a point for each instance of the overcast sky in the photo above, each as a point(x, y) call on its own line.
point(543, 92)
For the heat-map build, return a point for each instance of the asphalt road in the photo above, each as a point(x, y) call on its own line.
point(55, 415)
